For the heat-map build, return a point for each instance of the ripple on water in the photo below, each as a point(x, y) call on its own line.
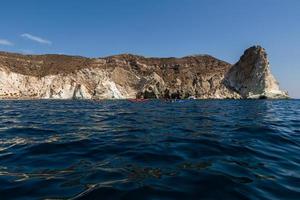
point(192, 149)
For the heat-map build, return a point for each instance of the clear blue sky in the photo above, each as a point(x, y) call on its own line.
point(96, 28)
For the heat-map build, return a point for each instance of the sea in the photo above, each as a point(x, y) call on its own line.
point(156, 149)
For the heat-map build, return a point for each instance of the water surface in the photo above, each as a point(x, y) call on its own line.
point(196, 149)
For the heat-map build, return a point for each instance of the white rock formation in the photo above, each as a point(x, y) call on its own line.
point(251, 76)
point(84, 84)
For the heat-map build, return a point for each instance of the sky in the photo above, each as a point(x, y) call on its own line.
point(158, 28)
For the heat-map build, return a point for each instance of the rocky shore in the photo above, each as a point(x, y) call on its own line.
point(129, 76)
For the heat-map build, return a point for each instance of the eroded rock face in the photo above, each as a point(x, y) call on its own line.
point(130, 76)
point(251, 76)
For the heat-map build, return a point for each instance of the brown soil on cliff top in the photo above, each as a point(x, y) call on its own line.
point(42, 65)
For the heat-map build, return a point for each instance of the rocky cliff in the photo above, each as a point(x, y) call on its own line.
point(129, 76)
point(251, 76)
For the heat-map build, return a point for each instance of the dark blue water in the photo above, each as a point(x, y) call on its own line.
point(153, 150)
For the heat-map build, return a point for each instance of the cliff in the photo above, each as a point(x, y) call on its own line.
point(129, 76)
point(251, 76)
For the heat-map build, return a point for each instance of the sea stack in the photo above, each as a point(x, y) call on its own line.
point(251, 76)
point(130, 76)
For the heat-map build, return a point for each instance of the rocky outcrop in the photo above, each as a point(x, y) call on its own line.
point(251, 76)
point(129, 76)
